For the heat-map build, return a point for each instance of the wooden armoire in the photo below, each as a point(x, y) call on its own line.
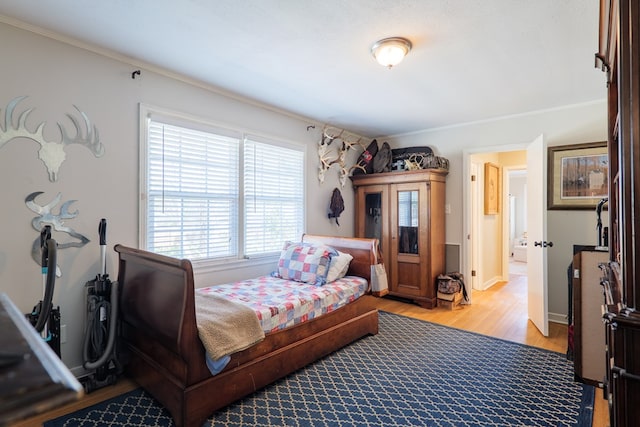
point(406, 212)
point(619, 57)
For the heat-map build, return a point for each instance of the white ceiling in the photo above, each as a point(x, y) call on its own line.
point(472, 60)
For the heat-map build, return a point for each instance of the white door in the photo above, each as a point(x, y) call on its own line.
point(538, 306)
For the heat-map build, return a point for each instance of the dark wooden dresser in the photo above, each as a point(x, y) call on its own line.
point(619, 57)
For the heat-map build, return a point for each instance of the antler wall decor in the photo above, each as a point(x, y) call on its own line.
point(338, 156)
point(51, 153)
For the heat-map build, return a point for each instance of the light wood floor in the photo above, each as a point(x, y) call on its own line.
point(500, 312)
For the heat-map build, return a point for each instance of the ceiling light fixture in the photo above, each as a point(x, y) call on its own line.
point(390, 51)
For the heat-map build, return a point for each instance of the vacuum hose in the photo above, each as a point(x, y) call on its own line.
point(95, 332)
point(49, 260)
point(599, 218)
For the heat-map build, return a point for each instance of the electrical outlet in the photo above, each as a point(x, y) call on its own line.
point(63, 334)
point(447, 208)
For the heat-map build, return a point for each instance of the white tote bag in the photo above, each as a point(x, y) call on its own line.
point(379, 285)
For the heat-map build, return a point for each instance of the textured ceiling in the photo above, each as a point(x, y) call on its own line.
point(472, 60)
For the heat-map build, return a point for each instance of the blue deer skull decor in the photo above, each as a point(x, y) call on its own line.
point(47, 217)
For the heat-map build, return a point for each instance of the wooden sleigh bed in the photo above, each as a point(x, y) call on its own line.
point(166, 357)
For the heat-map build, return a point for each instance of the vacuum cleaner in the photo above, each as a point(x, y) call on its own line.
point(100, 349)
point(44, 317)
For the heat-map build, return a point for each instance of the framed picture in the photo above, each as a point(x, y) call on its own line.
point(578, 175)
point(491, 189)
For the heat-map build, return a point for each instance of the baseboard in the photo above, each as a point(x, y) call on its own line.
point(489, 283)
point(558, 318)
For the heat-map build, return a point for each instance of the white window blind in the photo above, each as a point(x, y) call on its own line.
point(192, 186)
point(218, 194)
point(273, 196)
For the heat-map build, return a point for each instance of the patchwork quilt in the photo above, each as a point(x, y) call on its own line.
point(280, 303)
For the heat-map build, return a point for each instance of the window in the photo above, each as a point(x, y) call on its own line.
point(215, 193)
point(273, 196)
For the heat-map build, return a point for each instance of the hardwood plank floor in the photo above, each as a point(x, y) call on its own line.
point(500, 311)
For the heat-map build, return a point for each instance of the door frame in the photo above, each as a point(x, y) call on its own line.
point(469, 242)
point(474, 229)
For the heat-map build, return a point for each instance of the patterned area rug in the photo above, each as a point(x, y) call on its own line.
point(413, 373)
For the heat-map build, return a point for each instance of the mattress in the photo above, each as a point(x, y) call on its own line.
point(282, 303)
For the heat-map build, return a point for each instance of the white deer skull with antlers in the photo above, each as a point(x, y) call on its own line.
point(51, 153)
point(329, 157)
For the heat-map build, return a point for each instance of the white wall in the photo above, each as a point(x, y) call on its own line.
point(56, 76)
point(568, 125)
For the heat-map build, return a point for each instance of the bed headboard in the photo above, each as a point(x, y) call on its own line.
point(365, 252)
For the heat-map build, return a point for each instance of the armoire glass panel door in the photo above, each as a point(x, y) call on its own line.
point(372, 221)
point(409, 220)
point(373, 217)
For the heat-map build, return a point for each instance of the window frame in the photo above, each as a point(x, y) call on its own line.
point(149, 112)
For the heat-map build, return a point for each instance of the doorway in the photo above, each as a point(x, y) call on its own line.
point(498, 234)
point(489, 239)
